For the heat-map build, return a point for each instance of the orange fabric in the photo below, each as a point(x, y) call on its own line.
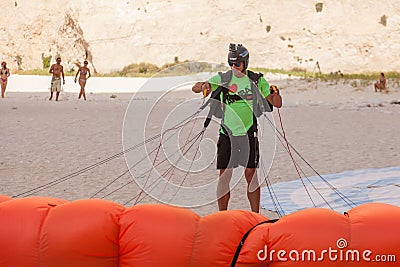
point(310, 229)
point(46, 232)
point(219, 234)
point(21, 222)
point(4, 198)
point(157, 235)
point(376, 227)
point(81, 233)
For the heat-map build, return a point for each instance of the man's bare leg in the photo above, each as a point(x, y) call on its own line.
point(51, 95)
point(57, 94)
point(253, 189)
point(223, 190)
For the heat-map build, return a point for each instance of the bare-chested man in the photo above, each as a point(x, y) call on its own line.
point(57, 70)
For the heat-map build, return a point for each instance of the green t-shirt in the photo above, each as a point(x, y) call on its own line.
point(238, 116)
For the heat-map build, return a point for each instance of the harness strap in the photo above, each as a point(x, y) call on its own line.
point(213, 106)
point(239, 247)
point(217, 107)
point(226, 77)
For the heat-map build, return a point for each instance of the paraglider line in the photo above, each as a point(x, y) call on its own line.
point(291, 156)
point(194, 139)
point(76, 173)
point(348, 201)
point(191, 164)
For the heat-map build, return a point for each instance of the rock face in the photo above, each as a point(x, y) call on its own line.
point(351, 36)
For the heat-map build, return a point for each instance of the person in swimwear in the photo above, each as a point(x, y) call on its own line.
point(381, 84)
point(4, 73)
point(57, 70)
point(84, 75)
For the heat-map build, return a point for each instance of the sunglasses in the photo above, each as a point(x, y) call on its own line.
point(237, 64)
point(85, 62)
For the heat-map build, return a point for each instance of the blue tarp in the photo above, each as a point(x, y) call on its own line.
point(360, 186)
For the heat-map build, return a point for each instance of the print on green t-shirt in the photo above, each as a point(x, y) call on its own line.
point(238, 116)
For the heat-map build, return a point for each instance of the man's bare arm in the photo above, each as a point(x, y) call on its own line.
point(62, 73)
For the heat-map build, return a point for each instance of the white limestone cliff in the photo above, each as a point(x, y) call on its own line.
point(351, 36)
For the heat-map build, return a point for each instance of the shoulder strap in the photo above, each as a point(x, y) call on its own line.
point(260, 104)
point(254, 76)
point(226, 77)
point(215, 98)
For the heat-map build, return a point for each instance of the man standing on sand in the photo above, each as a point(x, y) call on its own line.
point(57, 70)
point(238, 143)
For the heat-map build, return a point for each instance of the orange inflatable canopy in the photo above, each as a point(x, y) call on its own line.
point(40, 231)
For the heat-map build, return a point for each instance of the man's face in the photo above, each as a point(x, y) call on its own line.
point(237, 68)
point(58, 60)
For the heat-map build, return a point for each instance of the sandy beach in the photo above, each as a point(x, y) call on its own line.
point(335, 125)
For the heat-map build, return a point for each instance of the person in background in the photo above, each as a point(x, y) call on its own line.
point(4, 73)
point(84, 75)
point(381, 84)
point(57, 70)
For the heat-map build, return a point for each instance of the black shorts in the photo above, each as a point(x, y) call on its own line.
point(237, 150)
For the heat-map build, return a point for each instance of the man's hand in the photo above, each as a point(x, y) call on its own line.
point(202, 87)
point(206, 89)
point(274, 89)
point(274, 98)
